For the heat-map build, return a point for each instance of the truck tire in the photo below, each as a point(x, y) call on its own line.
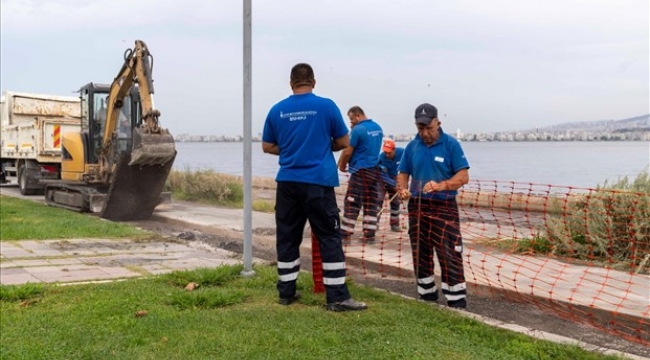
point(22, 182)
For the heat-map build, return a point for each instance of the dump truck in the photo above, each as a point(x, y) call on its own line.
point(117, 161)
point(31, 129)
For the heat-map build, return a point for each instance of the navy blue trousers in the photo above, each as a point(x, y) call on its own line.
point(296, 203)
point(434, 227)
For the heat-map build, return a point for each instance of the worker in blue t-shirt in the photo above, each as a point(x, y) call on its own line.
point(437, 166)
point(361, 160)
point(304, 130)
point(389, 160)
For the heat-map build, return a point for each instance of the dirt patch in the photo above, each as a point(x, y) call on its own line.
point(523, 314)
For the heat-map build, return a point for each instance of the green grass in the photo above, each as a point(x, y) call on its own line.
point(23, 219)
point(29, 291)
point(232, 317)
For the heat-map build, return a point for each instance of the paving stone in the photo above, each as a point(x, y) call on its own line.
point(156, 269)
point(68, 261)
point(67, 274)
point(16, 279)
point(118, 272)
point(31, 262)
point(40, 248)
point(188, 264)
point(13, 271)
point(79, 252)
point(7, 264)
point(12, 251)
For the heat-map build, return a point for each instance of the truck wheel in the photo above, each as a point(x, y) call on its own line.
point(22, 182)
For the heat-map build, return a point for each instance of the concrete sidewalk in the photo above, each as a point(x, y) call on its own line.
point(81, 260)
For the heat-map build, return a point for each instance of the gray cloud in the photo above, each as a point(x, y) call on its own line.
point(498, 65)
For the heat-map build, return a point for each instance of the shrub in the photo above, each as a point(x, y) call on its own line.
point(206, 186)
point(610, 224)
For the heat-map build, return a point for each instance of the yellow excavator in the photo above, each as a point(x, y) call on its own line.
point(117, 165)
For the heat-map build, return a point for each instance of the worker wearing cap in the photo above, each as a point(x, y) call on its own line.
point(389, 160)
point(437, 167)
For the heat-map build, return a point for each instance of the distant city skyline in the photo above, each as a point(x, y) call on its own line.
point(632, 129)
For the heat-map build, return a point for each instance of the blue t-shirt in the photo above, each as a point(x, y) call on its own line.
point(303, 127)
point(366, 138)
point(437, 162)
point(389, 166)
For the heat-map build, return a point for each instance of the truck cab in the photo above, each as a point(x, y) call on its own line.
point(31, 128)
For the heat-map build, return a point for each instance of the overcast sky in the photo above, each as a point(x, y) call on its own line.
point(487, 65)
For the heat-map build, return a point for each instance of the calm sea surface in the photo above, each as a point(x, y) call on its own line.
point(578, 164)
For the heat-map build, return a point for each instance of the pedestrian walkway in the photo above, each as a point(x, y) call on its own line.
point(80, 260)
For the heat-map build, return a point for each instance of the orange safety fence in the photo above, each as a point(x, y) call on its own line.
point(583, 254)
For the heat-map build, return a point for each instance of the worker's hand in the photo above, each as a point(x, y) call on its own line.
point(404, 194)
point(343, 168)
point(433, 186)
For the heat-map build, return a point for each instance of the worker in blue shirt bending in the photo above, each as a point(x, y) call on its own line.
point(389, 160)
point(361, 160)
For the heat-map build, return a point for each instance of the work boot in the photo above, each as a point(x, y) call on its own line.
point(433, 297)
point(291, 300)
point(458, 304)
point(395, 228)
point(368, 240)
point(346, 237)
point(347, 305)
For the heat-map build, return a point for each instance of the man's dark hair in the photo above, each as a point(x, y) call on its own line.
point(356, 110)
point(302, 74)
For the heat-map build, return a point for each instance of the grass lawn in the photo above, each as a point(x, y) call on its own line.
point(231, 317)
point(22, 219)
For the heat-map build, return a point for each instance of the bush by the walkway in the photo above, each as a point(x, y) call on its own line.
point(610, 224)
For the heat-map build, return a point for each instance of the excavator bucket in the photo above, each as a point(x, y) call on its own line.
point(135, 190)
point(152, 148)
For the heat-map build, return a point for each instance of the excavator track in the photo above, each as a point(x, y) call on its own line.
point(133, 194)
point(135, 190)
point(80, 198)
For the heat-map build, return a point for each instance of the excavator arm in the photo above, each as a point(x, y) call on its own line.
point(135, 179)
point(152, 145)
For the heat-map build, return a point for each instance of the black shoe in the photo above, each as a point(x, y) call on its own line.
point(290, 300)
point(395, 228)
point(429, 297)
point(369, 240)
point(458, 304)
point(347, 305)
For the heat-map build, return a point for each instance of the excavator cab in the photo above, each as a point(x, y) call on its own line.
point(94, 100)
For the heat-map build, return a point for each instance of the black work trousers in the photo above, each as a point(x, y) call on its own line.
point(395, 202)
point(362, 192)
point(295, 204)
point(434, 226)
